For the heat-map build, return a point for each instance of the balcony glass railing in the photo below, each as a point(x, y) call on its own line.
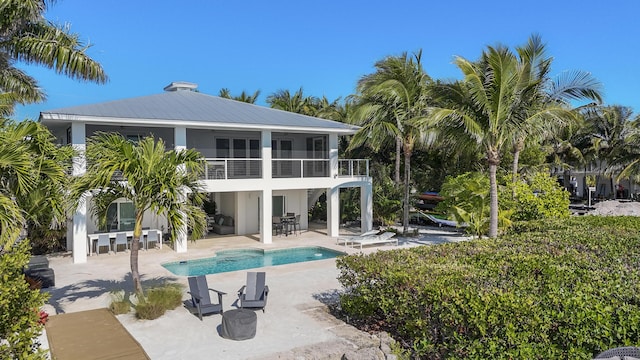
point(353, 167)
point(296, 168)
point(221, 169)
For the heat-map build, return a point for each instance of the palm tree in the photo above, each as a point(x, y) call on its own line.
point(548, 109)
point(505, 98)
point(154, 179)
point(482, 109)
point(612, 135)
point(26, 36)
point(332, 110)
point(297, 103)
point(33, 173)
point(244, 96)
point(390, 102)
point(629, 155)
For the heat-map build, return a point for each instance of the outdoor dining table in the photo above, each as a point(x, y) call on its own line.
point(92, 238)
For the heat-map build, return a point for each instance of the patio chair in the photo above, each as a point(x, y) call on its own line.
point(620, 352)
point(121, 239)
point(200, 299)
point(103, 240)
point(254, 294)
point(296, 224)
point(152, 236)
point(276, 222)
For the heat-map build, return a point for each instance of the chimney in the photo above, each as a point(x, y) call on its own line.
point(180, 86)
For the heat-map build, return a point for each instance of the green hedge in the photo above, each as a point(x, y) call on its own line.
point(552, 290)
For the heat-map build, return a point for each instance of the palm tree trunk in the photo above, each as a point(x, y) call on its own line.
point(517, 148)
point(398, 151)
point(514, 172)
point(407, 184)
point(493, 192)
point(135, 245)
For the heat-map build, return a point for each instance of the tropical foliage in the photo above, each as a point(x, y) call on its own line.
point(502, 100)
point(154, 179)
point(467, 201)
point(387, 196)
point(34, 176)
point(244, 96)
point(27, 37)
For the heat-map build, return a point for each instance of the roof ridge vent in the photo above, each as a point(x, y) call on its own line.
point(180, 86)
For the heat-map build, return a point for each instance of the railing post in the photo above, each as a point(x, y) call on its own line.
point(302, 168)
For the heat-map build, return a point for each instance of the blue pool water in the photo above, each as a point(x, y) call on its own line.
point(232, 260)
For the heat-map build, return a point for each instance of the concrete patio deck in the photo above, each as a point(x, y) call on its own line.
point(295, 325)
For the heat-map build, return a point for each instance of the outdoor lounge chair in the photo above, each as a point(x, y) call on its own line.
point(441, 222)
point(384, 238)
point(254, 294)
point(620, 352)
point(199, 291)
point(347, 239)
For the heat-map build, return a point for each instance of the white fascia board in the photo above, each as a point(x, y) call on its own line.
point(100, 120)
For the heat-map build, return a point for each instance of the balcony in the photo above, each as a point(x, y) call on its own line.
point(222, 169)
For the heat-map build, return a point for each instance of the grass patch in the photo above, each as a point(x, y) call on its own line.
point(120, 303)
point(158, 300)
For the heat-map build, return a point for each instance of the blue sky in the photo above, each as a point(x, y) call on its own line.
point(326, 46)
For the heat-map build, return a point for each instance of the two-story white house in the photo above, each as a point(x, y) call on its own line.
point(259, 162)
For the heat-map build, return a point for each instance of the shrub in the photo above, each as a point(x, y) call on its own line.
point(538, 197)
point(570, 290)
point(19, 307)
point(158, 300)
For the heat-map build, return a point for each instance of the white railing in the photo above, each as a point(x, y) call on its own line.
point(221, 169)
point(299, 168)
point(239, 168)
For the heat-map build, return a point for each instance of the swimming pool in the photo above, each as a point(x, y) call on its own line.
point(232, 260)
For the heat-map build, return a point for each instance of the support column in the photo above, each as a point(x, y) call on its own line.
point(78, 231)
point(180, 141)
point(333, 155)
point(266, 213)
point(333, 212)
point(266, 205)
point(366, 207)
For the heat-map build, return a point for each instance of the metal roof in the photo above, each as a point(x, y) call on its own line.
point(193, 109)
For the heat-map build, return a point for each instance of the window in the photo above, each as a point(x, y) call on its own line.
point(317, 150)
point(121, 216)
point(134, 138)
point(241, 150)
point(222, 148)
point(282, 149)
point(278, 205)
